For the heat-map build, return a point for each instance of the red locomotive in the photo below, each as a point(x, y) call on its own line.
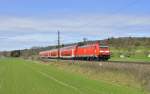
point(93, 51)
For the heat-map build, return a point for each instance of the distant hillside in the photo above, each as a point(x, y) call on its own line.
point(130, 47)
point(124, 45)
point(129, 42)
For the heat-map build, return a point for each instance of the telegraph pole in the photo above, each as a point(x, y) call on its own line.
point(58, 44)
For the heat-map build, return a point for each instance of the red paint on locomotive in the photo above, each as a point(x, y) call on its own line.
point(94, 50)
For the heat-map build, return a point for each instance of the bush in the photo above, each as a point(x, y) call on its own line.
point(15, 53)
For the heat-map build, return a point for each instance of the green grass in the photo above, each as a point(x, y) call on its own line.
point(134, 59)
point(18, 76)
point(137, 54)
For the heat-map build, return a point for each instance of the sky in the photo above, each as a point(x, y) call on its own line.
point(34, 23)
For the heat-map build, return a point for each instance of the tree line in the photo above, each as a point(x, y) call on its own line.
point(123, 45)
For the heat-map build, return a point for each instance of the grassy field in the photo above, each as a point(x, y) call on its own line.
point(18, 76)
point(133, 59)
point(136, 54)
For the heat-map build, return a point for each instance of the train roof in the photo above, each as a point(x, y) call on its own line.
point(68, 47)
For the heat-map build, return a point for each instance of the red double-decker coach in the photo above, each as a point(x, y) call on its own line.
point(91, 51)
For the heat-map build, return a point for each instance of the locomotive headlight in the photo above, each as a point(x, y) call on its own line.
point(107, 51)
point(101, 51)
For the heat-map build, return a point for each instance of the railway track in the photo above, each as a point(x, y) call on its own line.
point(84, 61)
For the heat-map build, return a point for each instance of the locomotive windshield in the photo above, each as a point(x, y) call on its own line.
point(103, 46)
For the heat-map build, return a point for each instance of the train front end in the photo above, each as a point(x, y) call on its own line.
point(104, 52)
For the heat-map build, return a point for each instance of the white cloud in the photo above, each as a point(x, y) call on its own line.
point(28, 31)
point(75, 23)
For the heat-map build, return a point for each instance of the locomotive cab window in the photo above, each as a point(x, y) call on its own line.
point(103, 47)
